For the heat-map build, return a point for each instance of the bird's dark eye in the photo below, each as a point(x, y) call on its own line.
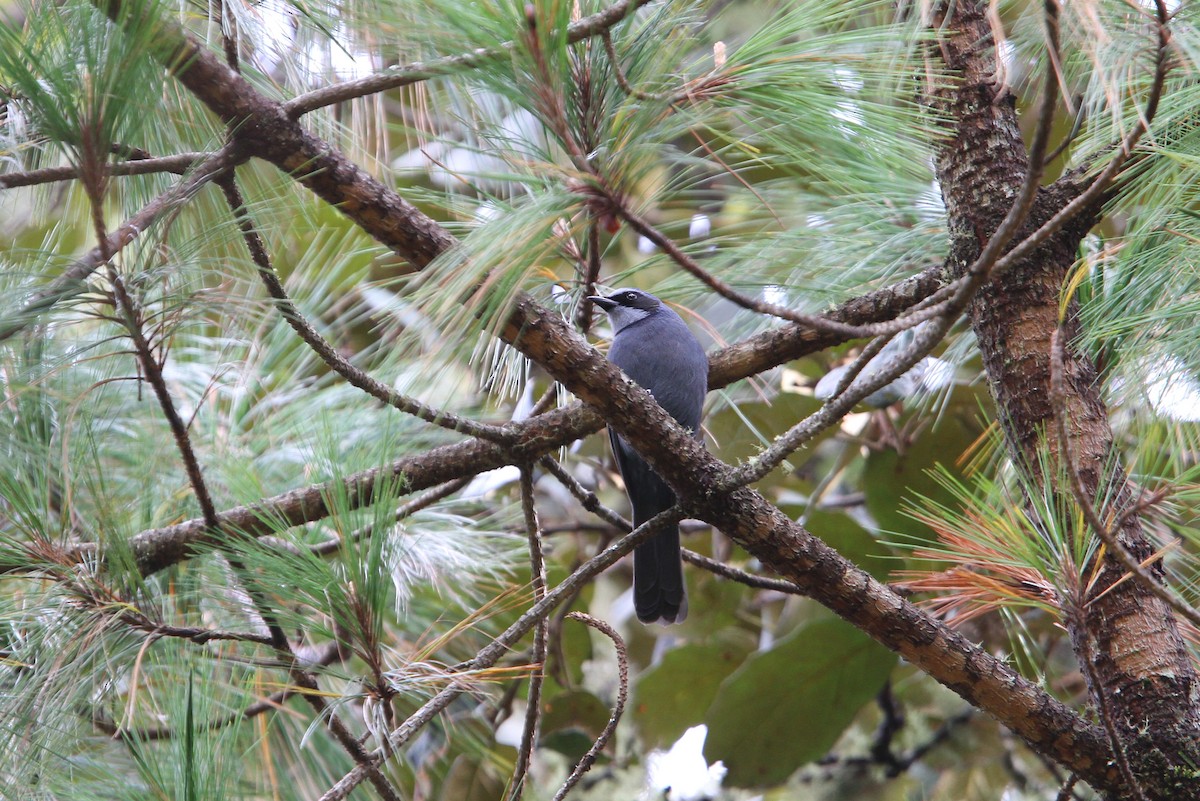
point(630, 297)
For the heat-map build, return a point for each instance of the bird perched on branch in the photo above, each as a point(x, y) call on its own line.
point(655, 348)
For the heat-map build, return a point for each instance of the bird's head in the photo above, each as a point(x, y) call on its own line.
point(627, 306)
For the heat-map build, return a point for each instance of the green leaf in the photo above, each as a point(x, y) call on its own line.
point(471, 780)
point(670, 696)
point(741, 431)
point(571, 722)
point(788, 706)
point(893, 480)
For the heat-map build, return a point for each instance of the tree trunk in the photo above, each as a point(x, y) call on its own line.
point(1141, 669)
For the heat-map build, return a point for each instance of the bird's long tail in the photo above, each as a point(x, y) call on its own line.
point(658, 589)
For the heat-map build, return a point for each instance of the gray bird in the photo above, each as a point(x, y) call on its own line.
point(655, 348)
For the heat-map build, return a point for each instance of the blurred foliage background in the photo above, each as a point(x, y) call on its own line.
point(782, 146)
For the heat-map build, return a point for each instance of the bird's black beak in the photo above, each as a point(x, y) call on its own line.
point(603, 302)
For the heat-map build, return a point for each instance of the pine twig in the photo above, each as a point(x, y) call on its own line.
point(533, 709)
point(491, 653)
point(588, 759)
point(408, 74)
point(742, 577)
point(178, 164)
point(328, 354)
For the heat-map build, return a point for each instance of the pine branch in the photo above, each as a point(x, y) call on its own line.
point(178, 164)
point(408, 74)
point(265, 130)
point(355, 376)
point(156, 549)
point(71, 281)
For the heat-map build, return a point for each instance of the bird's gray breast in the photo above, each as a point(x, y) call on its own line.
point(661, 354)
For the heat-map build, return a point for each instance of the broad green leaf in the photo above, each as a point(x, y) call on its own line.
point(671, 696)
point(471, 780)
point(571, 721)
point(892, 480)
point(786, 707)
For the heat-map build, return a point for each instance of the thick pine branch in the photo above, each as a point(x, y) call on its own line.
point(157, 549)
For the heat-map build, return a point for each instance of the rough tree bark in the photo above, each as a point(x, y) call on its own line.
point(1144, 673)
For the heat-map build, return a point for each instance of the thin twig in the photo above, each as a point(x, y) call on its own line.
point(93, 594)
point(329, 354)
point(492, 653)
point(278, 640)
point(890, 724)
point(546, 401)
point(178, 164)
point(229, 36)
point(587, 499)
point(873, 349)
point(939, 736)
point(836, 408)
point(152, 370)
point(584, 316)
point(587, 760)
point(1076, 127)
point(533, 709)
point(896, 765)
point(196, 634)
point(547, 99)
point(733, 574)
point(407, 74)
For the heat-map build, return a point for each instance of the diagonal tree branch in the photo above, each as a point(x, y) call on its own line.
point(265, 130)
point(156, 549)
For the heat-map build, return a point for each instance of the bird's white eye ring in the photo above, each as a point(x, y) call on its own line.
point(629, 296)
